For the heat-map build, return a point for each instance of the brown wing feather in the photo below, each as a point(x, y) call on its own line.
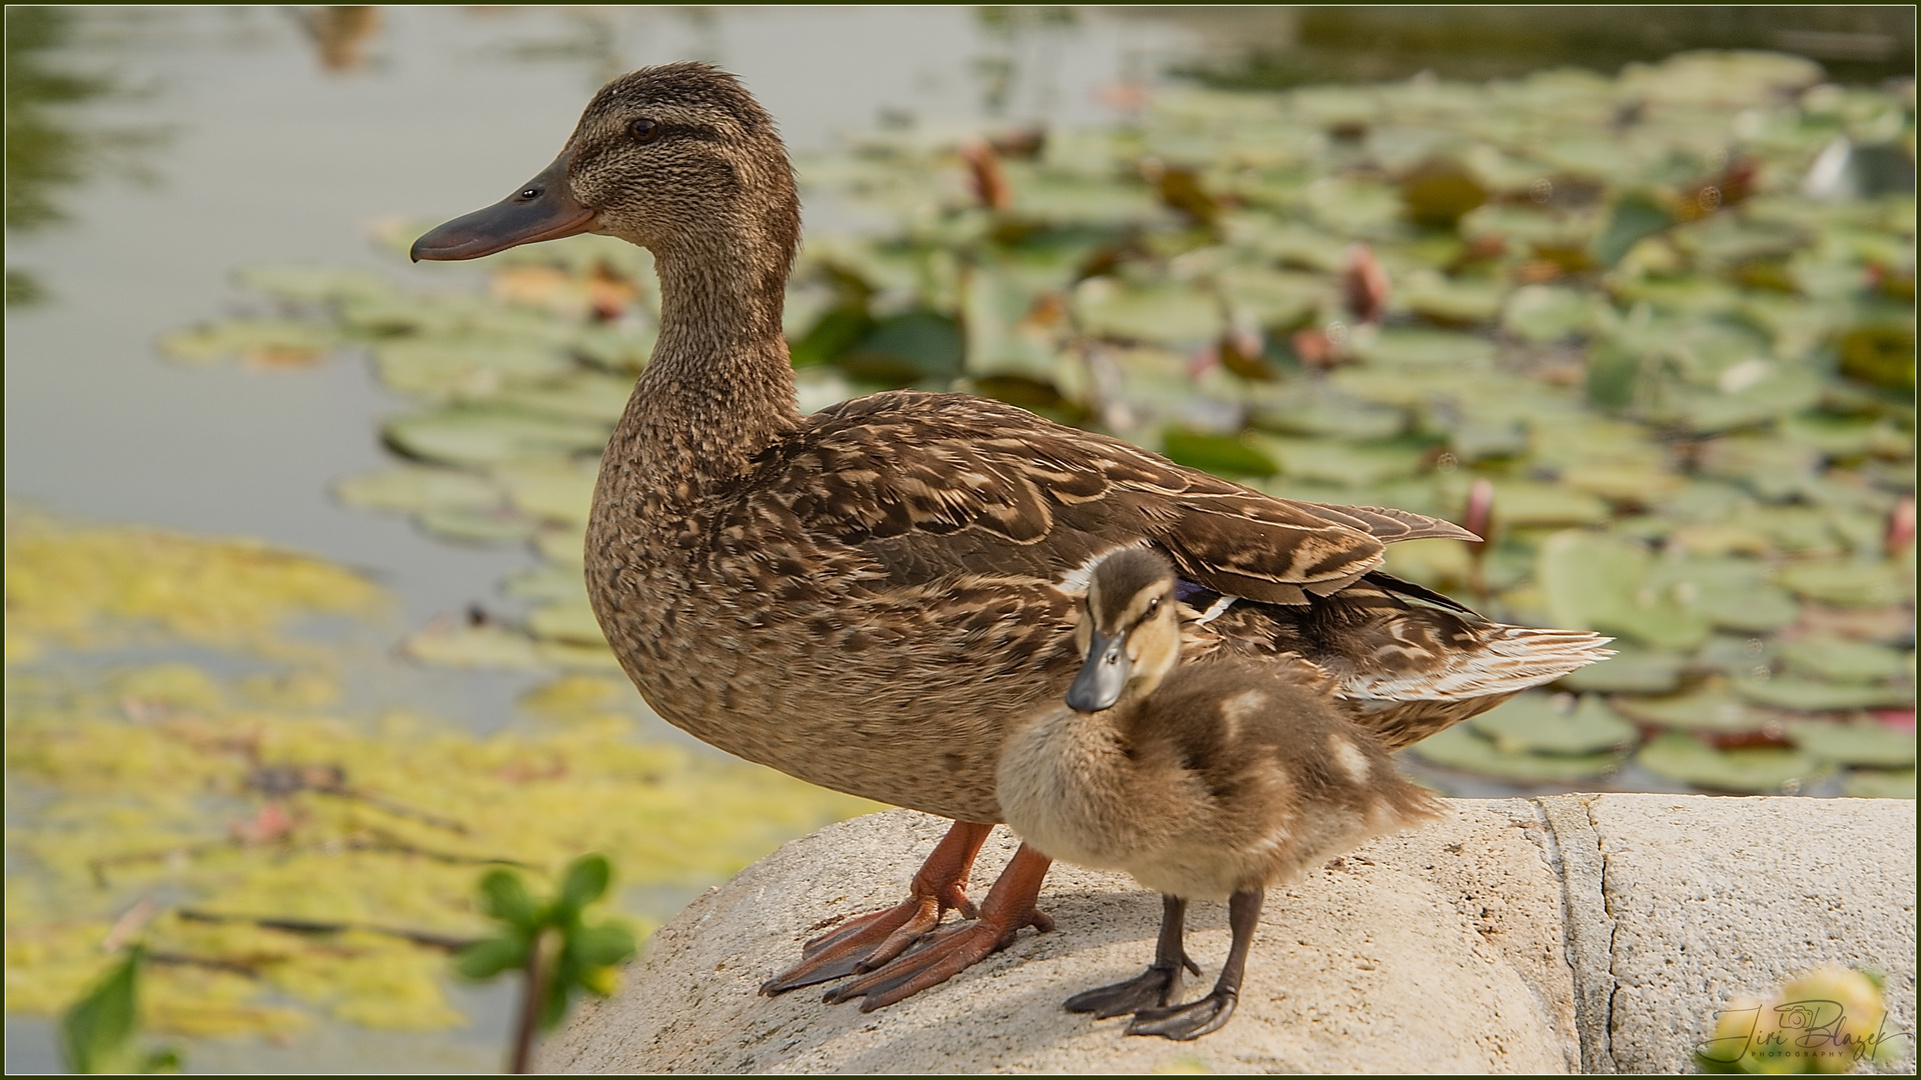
point(910, 479)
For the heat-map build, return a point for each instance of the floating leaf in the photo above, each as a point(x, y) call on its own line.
point(1862, 742)
point(1166, 314)
point(1540, 723)
point(1629, 671)
point(451, 644)
point(1710, 710)
point(412, 488)
point(1759, 770)
point(1424, 348)
point(565, 621)
point(485, 435)
point(494, 524)
point(1810, 695)
point(1218, 454)
point(478, 367)
point(1839, 659)
point(1879, 784)
point(1354, 464)
point(1848, 583)
point(265, 342)
point(1460, 748)
point(1547, 313)
point(551, 490)
point(1601, 583)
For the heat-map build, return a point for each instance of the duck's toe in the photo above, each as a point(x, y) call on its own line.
point(860, 944)
point(1150, 989)
point(1189, 1021)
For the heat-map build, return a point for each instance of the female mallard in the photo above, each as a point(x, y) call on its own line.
point(865, 597)
point(1211, 780)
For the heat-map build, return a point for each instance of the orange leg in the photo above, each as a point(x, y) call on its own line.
point(1009, 906)
point(871, 940)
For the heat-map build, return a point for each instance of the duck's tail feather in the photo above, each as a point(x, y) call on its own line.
point(1509, 659)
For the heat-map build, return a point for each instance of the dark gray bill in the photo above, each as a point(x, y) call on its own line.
point(1103, 676)
point(543, 209)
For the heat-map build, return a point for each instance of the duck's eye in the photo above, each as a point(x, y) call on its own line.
point(530, 193)
point(644, 130)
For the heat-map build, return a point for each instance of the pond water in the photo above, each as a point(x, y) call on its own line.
point(269, 136)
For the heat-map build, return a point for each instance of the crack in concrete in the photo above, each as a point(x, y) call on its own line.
point(1589, 925)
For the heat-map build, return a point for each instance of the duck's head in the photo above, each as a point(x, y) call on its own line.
point(1129, 634)
point(676, 158)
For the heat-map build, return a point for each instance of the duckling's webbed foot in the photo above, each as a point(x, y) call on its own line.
point(1156, 986)
point(1211, 1013)
point(946, 953)
point(864, 943)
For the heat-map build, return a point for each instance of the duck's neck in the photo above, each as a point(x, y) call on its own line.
point(719, 387)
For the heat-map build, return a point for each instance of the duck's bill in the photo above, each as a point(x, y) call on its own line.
point(543, 209)
point(1103, 676)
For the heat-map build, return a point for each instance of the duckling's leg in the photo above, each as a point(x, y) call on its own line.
point(1197, 1018)
point(866, 942)
point(1159, 984)
point(1009, 906)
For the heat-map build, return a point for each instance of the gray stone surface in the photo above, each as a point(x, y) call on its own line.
point(1552, 935)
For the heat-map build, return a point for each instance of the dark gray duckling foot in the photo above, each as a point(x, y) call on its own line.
point(1211, 1013)
point(1156, 986)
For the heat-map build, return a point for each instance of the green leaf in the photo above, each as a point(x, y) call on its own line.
point(912, 347)
point(1841, 660)
point(1221, 455)
point(1598, 582)
point(490, 434)
point(1634, 218)
point(1543, 314)
point(1460, 748)
point(601, 946)
point(1810, 695)
point(1632, 671)
point(566, 621)
point(1704, 710)
point(1759, 771)
point(1167, 314)
point(1879, 784)
point(1848, 583)
point(485, 959)
point(504, 896)
point(1862, 742)
point(413, 488)
point(96, 1034)
point(493, 524)
point(1537, 722)
point(586, 880)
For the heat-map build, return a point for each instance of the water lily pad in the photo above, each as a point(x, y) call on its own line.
point(1353, 464)
point(1599, 582)
point(441, 367)
point(565, 622)
point(553, 490)
point(450, 643)
point(1812, 695)
point(1221, 455)
point(1547, 313)
point(587, 395)
point(1533, 504)
point(1712, 710)
point(1629, 671)
point(1453, 301)
point(413, 488)
point(1461, 748)
point(1759, 770)
point(1166, 314)
point(1731, 593)
point(1862, 742)
point(1879, 784)
point(547, 582)
point(1552, 724)
point(314, 284)
point(1838, 659)
point(485, 435)
point(489, 524)
point(1848, 583)
point(1424, 348)
point(264, 342)
point(564, 544)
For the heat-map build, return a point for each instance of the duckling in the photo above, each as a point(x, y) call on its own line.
point(1208, 780)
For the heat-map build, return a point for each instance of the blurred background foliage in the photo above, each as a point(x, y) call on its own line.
point(1643, 317)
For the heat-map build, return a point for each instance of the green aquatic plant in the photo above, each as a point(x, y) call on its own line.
point(97, 1034)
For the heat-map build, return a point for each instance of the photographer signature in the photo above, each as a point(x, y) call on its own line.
point(1812, 1027)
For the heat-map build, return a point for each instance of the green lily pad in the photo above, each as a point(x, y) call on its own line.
point(1848, 583)
point(314, 284)
point(442, 367)
point(1352, 464)
point(1453, 301)
point(1878, 784)
point(553, 490)
point(1460, 748)
point(495, 524)
point(1811, 695)
point(268, 341)
point(565, 622)
point(581, 655)
point(1862, 742)
point(1598, 582)
point(449, 643)
point(1163, 314)
point(485, 435)
point(547, 582)
point(1221, 455)
point(1712, 710)
point(586, 395)
point(1731, 593)
point(412, 488)
point(1759, 770)
point(563, 544)
point(1533, 504)
point(1424, 348)
point(1841, 660)
point(1629, 671)
point(1537, 722)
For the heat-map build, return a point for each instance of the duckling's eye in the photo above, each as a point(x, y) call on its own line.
point(1152, 606)
point(644, 130)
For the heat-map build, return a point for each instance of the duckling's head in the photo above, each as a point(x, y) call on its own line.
point(1130, 635)
point(676, 158)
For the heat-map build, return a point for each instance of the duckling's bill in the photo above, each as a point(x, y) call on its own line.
point(1103, 676)
point(543, 209)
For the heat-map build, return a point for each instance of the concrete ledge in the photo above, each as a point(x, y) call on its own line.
point(1564, 934)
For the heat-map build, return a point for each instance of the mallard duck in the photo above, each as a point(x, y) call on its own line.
point(1211, 780)
point(866, 597)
